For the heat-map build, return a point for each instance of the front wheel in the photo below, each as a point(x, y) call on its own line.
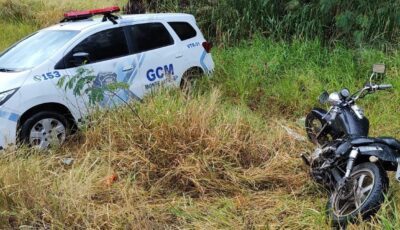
point(44, 129)
point(361, 196)
point(316, 131)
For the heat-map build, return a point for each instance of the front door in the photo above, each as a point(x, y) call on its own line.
point(107, 60)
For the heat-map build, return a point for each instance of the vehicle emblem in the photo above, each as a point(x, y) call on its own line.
point(37, 78)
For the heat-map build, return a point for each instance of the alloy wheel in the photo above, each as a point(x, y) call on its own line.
point(47, 132)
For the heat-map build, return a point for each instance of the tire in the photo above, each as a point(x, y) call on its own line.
point(44, 130)
point(189, 79)
point(314, 125)
point(368, 203)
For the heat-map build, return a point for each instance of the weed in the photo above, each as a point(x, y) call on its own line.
point(217, 159)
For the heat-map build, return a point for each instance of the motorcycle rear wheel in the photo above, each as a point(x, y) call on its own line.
point(362, 195)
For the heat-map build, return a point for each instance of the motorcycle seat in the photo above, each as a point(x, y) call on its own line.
point(390, 142)
point(358, 141)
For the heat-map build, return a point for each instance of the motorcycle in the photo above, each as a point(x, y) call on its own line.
point(349, 163)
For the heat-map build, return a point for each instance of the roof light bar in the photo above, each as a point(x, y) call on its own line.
point(85, 14)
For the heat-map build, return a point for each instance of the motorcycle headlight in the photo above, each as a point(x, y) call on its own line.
point(334, 99)
point(4, 96)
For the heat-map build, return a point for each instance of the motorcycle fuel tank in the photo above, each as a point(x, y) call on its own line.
point(349, 124)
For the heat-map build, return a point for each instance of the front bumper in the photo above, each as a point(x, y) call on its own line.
point(8, 129)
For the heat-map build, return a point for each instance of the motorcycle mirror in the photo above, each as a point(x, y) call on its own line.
point(323, 98)
point(379, 68)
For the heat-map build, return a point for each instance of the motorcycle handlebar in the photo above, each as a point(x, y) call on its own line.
point(369, 88)
point(384, 86)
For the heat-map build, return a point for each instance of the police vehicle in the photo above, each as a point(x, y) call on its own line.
point(144, 51)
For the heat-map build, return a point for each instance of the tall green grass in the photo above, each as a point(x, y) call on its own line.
point(227, 22)
point(353, 23)
point(285, 79)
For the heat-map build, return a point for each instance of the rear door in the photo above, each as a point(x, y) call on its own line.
point(161, 61)
point(188, 40)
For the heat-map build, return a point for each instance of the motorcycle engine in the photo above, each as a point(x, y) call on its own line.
point(320, 162)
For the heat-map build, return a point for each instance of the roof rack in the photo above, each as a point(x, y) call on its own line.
point(86, 14)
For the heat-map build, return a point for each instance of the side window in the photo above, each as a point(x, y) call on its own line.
point(183, 29)
point(98, 47)
point(149, 36)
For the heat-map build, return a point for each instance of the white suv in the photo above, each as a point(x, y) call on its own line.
point(142, 51)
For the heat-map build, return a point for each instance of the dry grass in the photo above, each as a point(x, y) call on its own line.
point(19, 18)
point(199, 162)
point(44, 13)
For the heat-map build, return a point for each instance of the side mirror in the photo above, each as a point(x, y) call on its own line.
point(79, 58)
point(323, 98)
point(379, 68)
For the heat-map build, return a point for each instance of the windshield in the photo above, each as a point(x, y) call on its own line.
point(34, 50)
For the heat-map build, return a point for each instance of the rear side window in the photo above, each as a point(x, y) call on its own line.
point(149, 36)
point(183, 29)
point(101, 46)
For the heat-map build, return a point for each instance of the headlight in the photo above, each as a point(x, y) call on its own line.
point(334, 99)
point(4, 96)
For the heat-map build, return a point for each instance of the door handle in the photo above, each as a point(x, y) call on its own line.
point(179, 55)
point(127, 68)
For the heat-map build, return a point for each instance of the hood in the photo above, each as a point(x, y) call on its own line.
point(10, 80)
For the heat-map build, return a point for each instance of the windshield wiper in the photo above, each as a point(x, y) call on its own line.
point(6, 70)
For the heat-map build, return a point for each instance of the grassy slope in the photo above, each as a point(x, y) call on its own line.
point(20, 18)
point(219, 159)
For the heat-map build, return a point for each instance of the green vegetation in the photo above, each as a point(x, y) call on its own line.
point(21, 18)
point(279, 79)
point(353, 23)
point(220, 158)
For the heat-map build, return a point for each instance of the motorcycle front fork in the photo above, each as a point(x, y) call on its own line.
point(349, 167)
point(350, 164)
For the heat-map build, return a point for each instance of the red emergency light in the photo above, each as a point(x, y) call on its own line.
point(85, 14)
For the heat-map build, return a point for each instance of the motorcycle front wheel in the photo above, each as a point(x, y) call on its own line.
point(361, 196)
point(314, 128)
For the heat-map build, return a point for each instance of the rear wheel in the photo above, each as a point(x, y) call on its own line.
point(44, 130)
point(190, 78)
point(362, 195)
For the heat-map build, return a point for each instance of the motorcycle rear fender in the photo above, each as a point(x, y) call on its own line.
point(382, 152)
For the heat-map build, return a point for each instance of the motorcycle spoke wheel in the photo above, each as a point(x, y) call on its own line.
point(353, 195)
point(314, 129)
